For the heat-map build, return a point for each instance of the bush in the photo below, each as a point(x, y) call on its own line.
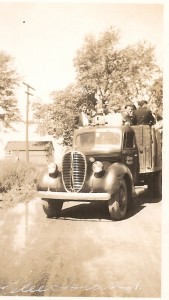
point(16, 174)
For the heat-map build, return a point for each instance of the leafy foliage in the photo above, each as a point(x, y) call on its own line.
point(106, 72)
point(119, 75)
point(16, 174)
point(57, 118)
point(93, 62)
point(157, 92)
point(8, 81)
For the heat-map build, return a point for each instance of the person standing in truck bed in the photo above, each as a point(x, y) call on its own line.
point(143, 115)
point(82, 119)
point(127, 113)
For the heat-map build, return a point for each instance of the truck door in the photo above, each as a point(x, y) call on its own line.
point(130, 153)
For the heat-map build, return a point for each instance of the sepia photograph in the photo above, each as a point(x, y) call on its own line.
point(83, 149)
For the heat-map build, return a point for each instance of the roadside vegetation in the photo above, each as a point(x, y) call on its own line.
point(9, 81)
point(17, 182)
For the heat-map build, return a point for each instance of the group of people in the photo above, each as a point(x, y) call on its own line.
point(141, 115)
point(114, 116)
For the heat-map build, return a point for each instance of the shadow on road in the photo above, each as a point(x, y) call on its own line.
point(93, 211)
point(140, 202)
point(96, 211)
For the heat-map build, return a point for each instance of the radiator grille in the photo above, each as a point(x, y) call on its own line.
point(73, 171)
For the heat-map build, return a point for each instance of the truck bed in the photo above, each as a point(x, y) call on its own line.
point(149, 143)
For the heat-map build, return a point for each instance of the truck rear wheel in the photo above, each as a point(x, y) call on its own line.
point(118, 203)
point(158, 183)
point(52, 208)
point(155, 184)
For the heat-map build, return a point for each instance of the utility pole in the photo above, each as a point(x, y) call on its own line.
point(27, 119)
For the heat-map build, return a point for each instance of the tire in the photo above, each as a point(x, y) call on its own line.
point(52, 208)
point(155, 184)
point(118, 203)
point(158, 183)
point(151, 185)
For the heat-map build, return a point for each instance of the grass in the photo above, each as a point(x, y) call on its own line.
point(17, 181)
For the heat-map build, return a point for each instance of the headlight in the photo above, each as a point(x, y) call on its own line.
point(52, 168)
point(97, 167)
point(91, 159)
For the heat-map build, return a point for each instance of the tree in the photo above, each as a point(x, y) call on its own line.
point(156, 93)
point(8, 81)
point(106, 71)
point(92, 63)
point(57, 118)
point(117, 75)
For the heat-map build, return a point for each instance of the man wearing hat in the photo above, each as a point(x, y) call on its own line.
point(143, 115)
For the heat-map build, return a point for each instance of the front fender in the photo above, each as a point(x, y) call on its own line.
point(46, 182)
point(111, 179)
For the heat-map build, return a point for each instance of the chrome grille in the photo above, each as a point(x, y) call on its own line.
point(73, 171)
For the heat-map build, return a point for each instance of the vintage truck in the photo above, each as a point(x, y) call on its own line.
point(104, 164)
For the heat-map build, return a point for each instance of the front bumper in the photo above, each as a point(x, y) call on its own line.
point(74, 196)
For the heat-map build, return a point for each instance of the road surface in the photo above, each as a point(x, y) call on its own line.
point(83, 253)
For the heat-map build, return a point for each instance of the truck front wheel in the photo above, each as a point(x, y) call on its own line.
point(52, 208)
point(118, 203)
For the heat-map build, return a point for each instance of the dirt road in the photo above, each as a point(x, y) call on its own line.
point(83, 253)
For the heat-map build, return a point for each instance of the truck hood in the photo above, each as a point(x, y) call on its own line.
point(105, 151)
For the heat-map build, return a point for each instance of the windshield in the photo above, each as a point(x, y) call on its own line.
point(98, 138)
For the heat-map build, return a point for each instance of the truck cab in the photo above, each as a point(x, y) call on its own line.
point(105, 163)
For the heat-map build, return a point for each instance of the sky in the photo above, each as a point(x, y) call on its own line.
point(43, 37)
